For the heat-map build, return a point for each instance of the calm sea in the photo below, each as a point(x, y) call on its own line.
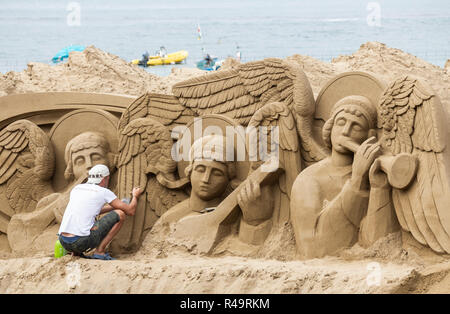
point(36, 30)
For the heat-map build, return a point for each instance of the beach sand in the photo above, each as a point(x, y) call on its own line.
point(389, 266)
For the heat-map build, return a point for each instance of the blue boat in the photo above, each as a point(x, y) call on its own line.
point(64, 53)
point(209, 63)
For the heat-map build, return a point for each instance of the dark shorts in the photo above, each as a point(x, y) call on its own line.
point(98, 232)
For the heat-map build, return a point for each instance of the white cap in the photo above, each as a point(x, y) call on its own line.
point(97, 173)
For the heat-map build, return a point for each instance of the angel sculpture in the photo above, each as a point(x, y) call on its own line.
point(81, 153)
point(26, 166)
point(413, 121)
point(277, 89)
point(346, 198)
point(256, 205)
point(144, 133)
point(145, 160)
point(216, 195)
point(330, 198)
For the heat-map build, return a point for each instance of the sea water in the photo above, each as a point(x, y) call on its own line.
point(35, 30)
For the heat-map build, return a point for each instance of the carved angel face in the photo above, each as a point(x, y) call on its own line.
point(83, 160)
point(348, 126)
point(209, 179)
point(85, 151)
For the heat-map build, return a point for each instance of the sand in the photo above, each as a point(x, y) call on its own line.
point(393, 264)
point(92, 70)
point(196, 275)
point(186, 273)
point(385, 62)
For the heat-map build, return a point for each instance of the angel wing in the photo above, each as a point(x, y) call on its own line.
point(413, 121)
point(240, 92)
point(277, 122)
point(165, 109)
point(145, 161)
point(27, 163)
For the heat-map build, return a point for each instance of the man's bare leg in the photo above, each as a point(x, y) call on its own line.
point(102, 247)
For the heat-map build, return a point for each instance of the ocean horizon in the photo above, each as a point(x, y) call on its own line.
point(34, 31)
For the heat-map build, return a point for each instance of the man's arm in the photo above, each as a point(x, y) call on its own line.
point(106, 208)
point(128, 209)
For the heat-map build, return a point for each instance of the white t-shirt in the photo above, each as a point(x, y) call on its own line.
point(86, 202)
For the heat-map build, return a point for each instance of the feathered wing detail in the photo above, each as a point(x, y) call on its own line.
point(271, 117)
point(161, 198)
point(413, 121)
point(240, 92)
point(145, 159)
point(165, 109)
point(220, 93)
point(27, 163)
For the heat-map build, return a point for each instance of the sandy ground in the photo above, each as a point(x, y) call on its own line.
point(198, 275)
point(185, 273)
point(387, 267)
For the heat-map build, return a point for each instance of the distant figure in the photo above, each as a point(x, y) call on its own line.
point(162, 52)
point(144, 59)
point(208, 60)
point(79, 232)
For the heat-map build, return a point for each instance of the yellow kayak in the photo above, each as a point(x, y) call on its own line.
point(171, 58)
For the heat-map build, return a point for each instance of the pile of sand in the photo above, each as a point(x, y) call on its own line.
point(161, 267)
point(229, 64)
point(386, 63)
point(92, 70)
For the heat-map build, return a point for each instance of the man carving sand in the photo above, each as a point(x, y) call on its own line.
point(79, 232)
point(81, 154)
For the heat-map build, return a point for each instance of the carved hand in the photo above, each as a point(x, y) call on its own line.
point(377, 178)
point(255, 202)
point(136, 192)
point(363, 159)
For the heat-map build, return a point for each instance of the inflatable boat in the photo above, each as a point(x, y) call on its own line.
point(162, 58)
point(64, 53)
point(209, 63)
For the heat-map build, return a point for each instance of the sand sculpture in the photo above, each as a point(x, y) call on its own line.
point(43, 206)
point(217, 195)
point(362, 160)
point(328, 213)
